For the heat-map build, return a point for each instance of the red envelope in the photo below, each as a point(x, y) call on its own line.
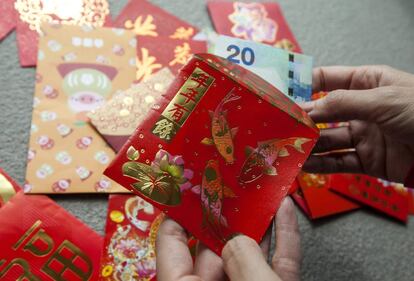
point(319, 199)
point(378, 194)
point(8, 17)
point(8, 187)
point(146, 19)
point(297, 196)
point(41, 241)
point(260, 22)
point(129, 248)
point(154, 53)
point(27, 15)
point(223, 172)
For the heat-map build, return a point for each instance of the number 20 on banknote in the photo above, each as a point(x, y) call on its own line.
point(290, 72)
point(244, 56)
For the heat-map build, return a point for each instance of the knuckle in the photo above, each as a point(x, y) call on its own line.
point(340, 164)
point(236, 247)
point(281, 264)
point(334, 99)
point(171, 229)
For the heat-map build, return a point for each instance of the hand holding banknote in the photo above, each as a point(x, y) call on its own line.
point(242, 259)
point(378, 103)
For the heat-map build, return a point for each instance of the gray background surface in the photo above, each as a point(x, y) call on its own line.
point(357, 246)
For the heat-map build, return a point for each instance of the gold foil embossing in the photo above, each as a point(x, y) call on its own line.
point(6, 189)
point(183, 104)
point(76, 12)
point(26, 275)
point(60, 256)
point(40, 244)
point(27, 234)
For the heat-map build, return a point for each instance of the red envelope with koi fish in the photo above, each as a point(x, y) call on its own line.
point(146, 19)
point(8, 187)
point(41, 241)
point(392, 199)
point(260, 22)
point(129, 248)
point(320, 200)
point(211, 154)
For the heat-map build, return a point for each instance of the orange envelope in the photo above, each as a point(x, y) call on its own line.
point(79, 68)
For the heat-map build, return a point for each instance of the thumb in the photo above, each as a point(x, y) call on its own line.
point(347, 105)
point(243, 260)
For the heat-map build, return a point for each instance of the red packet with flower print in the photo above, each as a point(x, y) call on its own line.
point(392, 199)
point(41, 241)
point(210, 155)
point(320, 200)
point(8, 17)
point(154, 53)
point(148, 20)
point(30, 15)
point(260, 22)
point(129, 247)
point(8, 187)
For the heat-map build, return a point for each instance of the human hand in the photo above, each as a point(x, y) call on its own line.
point(378, 103)
point(242, 258)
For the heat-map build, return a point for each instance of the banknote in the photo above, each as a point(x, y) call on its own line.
point(289, 72)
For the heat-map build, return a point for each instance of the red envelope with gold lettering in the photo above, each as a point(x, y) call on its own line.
point(154, 53)
point(212, 156)
point(129, 248)
point(41, 241)
point(146, 19)
point(8, 187)
point(260, 22)
point(392, 199)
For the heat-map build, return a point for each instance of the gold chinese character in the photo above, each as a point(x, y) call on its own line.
point(163, 129)
point(178, 112)
point(24, 266)
point(61, 256)
point(41, 237)
point(146, 65)
point(190, 95)
point(200, 79)
point(183, 33)
point(146, 27)
point(181, 54)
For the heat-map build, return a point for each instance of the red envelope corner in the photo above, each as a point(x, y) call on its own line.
point(320, 200)
point(211, 156)
point(378, 194)
point(261, 22)
point(41, 241)
point(131, 230)
point(8, 17)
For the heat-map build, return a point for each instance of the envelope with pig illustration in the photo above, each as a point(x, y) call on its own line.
point(218, 153)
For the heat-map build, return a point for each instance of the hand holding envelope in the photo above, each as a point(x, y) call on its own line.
point(242, 259)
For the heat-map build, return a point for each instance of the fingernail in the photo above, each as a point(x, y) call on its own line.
point(307, 106)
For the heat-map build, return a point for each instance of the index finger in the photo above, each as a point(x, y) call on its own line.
point(330, 78)
point(173, 255)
